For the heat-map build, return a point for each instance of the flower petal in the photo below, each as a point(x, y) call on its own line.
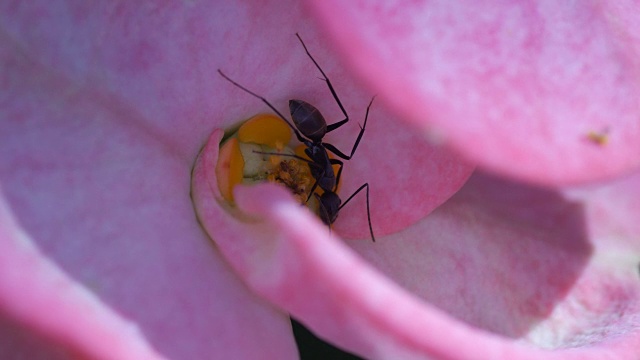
point(544, 267)
point(105, 108)
point(115, 214)
point(518, 281)
point(37, 294)
point(103, 192)
point(544, 91)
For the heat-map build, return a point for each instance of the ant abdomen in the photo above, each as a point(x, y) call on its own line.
point(328, 207)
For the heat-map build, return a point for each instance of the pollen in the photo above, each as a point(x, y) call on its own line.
point(259, 152)
point(600, 138)
point(294, 175)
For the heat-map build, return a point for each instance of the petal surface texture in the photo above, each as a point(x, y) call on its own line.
point(542, 91)
point(103, 110)
point(481, 275)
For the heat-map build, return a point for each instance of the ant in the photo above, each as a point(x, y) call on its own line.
point(309, 121)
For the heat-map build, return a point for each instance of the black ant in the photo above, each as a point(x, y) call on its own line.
point(309, 121)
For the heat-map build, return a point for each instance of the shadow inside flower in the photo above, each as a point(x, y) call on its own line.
point(499, 255)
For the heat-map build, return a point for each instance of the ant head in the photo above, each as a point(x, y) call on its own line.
point(308, 120)
point(328, 207)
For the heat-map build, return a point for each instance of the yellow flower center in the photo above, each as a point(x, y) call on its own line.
point(242, 159)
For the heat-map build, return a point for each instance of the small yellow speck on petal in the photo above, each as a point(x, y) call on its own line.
point(598, 137)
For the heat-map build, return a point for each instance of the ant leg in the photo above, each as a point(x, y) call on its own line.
point(339, 153)
point(313, 189)
point(300, 138)
point(368, 212)
point(333, 91)
point(337, 162)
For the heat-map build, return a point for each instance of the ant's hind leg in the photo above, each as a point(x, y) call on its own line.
point(365, 185)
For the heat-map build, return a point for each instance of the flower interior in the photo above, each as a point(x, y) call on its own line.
point(259, 151)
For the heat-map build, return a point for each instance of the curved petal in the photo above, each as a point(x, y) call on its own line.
point(408, 179)
point(554, 269)
point(96, 154)
point(28, 282)
point(544, 91)
point(524, 268)
point(115, 213)
point(521, 280)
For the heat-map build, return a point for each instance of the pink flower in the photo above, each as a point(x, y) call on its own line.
point(105, 108)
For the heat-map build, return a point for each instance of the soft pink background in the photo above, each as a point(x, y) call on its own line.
point(515, 86)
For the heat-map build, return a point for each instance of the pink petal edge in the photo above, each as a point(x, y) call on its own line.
point(36, 293)
point(517, 90)
point(104, 195)
point(291, 260)
point(550, 273)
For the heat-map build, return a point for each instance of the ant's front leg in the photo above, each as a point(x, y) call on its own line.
point(300, 138)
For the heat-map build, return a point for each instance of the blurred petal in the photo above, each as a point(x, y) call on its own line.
point(544, 91)
point(514, 280)
point(111, 206)
point(103, 111)
point(28, 282)
point(543, 267)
